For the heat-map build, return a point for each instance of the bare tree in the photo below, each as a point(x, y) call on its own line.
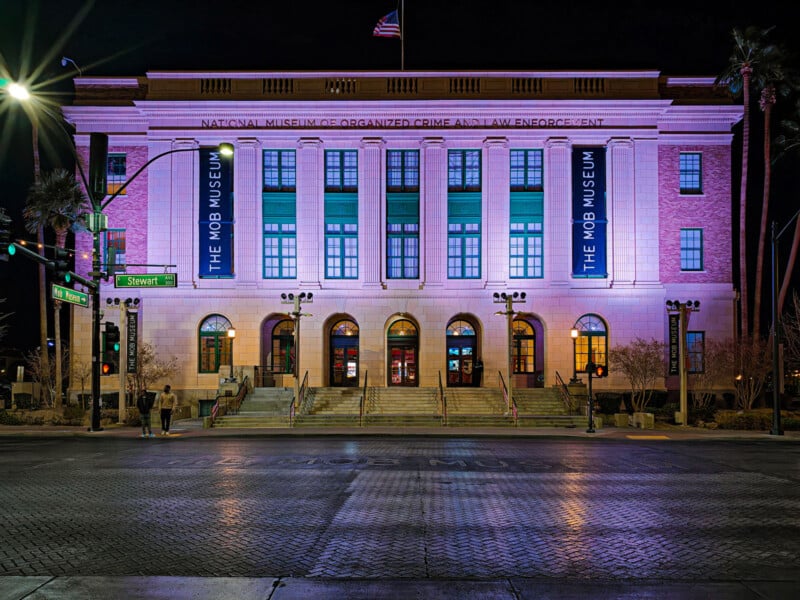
point(82, 372)
point(150, 368)
point(643, 364)
point(745, 365)
point(791, 334)
point(42, 372)
point(717, 373)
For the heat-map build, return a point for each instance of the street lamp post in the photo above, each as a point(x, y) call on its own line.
point(295, 300)
point(231, 337)
point(509, 299)
point(590, 368)
point(775, 329)
point(683, 310)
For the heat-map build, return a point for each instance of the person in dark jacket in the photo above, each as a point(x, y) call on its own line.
point(145, 405)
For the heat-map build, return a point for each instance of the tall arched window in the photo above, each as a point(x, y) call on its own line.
point(215, 345)
point(461, 353)
point(344, 354)
point(591, 343)
point(524, 347)
point(283, 347)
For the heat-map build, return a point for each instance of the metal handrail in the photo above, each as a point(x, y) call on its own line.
point(442, 400)
point(361, 402)
point(237, 401)
point(512, 406)
point(301, 393)
point(566, 397)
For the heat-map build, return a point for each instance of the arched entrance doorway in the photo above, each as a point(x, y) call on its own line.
point(282, 355)
point(461, 353)
point(527, 352)
point(344, 354)
point(402, 343)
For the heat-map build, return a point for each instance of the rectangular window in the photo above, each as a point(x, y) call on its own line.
point(279, 213)
point(115, 173)
point(280, 171)
point(341, 170)
point(464, 251)
point(526, 171)
point(402, 170)
point(114, 251)
point(464, 170)
point(402, 214)
point(695, 351)
point(691, 174)
point(691, 249)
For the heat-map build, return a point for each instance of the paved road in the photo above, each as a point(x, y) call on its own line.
point(393, 517)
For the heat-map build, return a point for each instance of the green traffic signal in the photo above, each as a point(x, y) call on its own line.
point(12, 249)
point(61, 265)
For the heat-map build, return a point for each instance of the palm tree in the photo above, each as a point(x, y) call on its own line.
point(788, 142)
point(751, 63)
point(55, 200)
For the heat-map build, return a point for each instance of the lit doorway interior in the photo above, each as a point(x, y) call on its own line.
point(403, 346)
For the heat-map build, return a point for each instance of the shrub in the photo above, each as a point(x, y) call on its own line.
point(7, 418)
point(791, 424)
point(608, 402)
point(750, 421)
point(73, 415)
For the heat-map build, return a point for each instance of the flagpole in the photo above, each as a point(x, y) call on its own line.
point(402, 35)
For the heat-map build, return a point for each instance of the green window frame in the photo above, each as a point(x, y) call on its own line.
point(527, 171)
point(523, 347)
point(279, 214)
point(402, 170)
point(464, 235)
point(592, 334)
point(279, 170)
point(214, 345)
point(464, 170)
point(402, 214)
point(691, 249)
point(691, 173)
point(341, 170)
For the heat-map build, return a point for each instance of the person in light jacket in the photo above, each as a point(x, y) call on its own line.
point(167, 402)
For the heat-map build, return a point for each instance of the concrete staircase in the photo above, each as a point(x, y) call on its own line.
point(403, 407)
point(330, 407)
point(543, 407)
point(264, 407)
point(477, 407)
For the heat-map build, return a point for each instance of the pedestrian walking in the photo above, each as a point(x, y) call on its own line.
point(145, 405)
point(167, 402)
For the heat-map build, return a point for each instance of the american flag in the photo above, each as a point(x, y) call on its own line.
point(388, 26)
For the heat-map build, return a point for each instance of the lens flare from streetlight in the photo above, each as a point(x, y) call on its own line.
point(19, 91)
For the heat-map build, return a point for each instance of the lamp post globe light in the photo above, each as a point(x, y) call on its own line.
point(296, 314)
point(509, 299)
point(231, 337)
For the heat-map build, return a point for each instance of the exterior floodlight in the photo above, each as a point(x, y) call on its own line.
point(226, 149)
point(19, 91)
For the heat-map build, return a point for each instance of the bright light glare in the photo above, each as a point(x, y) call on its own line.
point(20, 92)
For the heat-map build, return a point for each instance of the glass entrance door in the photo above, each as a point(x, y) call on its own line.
point(403, 365)
point(344, 355)
point(460, 357)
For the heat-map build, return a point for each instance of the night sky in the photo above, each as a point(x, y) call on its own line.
point(131, 37)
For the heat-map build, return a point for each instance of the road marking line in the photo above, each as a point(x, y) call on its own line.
point(647, 437)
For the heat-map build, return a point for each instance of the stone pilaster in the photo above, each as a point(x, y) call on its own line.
point(247, 230)
point(371, 211)
point(557, 211)
point(496, 211)
point(184, 211)
point(433, 215)
point(620, 210)
point(310, 211)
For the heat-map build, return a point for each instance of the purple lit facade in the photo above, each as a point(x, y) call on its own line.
point(403, 201)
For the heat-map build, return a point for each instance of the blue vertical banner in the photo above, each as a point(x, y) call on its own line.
point(216, 215)
point(589, 217)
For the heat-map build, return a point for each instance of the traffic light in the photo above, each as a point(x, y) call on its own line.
point(61, 265)
point(600, 371)
point(111, 349)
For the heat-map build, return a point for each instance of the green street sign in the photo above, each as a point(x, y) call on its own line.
point(147, 280)
point(70, 296)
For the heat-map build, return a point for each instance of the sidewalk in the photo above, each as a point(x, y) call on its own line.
point(193, 428)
